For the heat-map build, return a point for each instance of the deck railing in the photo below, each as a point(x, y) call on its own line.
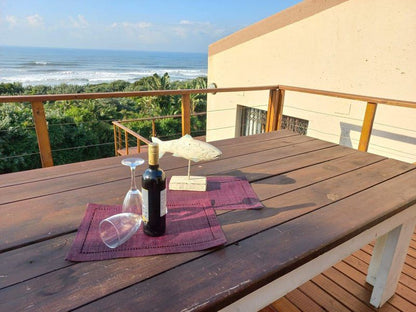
point(121, 127)
point(276, 103)
point(41, 127)
point(274, 113)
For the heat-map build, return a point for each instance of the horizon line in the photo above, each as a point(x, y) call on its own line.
point(99, 49)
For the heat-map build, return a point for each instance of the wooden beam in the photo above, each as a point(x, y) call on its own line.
point(126, 141)
point(186, 114)
point(42, 134)
point(103, 95)
point(115, 139)
point(271, 111)
point(153, 128)
point(350, 96)
point(367, 127)
point(280, 102)
point(275, 110)
point(119, 138)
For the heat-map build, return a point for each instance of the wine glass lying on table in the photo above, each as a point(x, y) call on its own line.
point(117, 229)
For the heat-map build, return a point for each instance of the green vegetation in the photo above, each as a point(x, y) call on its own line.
point(81, 129)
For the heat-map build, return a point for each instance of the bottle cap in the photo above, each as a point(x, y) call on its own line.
point(153, 154)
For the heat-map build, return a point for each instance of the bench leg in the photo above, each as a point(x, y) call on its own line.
point(387, 261)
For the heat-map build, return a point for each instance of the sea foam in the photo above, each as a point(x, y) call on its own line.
point(42, 66)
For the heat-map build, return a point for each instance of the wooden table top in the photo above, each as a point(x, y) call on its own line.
point(316, 194)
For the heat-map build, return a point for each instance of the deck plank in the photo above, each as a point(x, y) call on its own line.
point(340, 294)
point(323, 298)
point(285, 304)
point(303, 302)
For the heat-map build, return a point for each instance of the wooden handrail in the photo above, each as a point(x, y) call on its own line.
point(83, 96)
point(102, 95)
point(117, 143)
point(350, 96)
point(136, 135)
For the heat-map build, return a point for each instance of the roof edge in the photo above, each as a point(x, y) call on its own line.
point(281, 19)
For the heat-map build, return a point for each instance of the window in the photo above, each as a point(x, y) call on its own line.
point(253, 121)
point(294, 124)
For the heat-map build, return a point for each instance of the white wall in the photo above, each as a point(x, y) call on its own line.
point(365, 47)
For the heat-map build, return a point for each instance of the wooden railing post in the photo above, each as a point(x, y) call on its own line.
point(153, 128)
point(186, 114)
point(275, 110)
point(271, 110)
point(367, 127)
point(115, 140)
point(126, 142)
point(280, 102)
point(42, 133)
point(120, 142)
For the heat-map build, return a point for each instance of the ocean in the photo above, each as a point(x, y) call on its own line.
point(53, 66)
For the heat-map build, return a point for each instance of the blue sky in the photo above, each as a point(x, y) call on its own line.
point(153, 25)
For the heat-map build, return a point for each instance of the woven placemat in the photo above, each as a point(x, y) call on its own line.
point(223, 192)
point(191, 222)
point(188, 228)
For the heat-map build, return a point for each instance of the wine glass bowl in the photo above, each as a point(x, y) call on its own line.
point(133, 162)
point(132, 202)
point(117, 229)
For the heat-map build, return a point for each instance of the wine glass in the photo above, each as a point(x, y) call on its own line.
point(118, 228)
point(133, 200)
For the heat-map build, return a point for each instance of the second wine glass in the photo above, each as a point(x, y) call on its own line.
point(133, 200)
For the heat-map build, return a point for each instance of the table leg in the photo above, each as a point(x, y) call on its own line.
point(387, 261)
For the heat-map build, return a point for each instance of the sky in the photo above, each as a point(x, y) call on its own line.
point(148, 25)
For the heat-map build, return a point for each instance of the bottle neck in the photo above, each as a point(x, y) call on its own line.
point(154, 167)
point(153, 160)
point(153, 155)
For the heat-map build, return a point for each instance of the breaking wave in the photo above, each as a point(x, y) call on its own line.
point(41, 66)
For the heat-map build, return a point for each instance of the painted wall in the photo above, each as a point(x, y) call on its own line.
point(365, 47)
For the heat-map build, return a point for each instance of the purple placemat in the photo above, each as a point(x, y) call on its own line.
point(188, 228)
point(223, 192)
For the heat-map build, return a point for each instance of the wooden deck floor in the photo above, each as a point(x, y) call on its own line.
point(343, 288)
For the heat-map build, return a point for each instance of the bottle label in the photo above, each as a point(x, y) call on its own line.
point(163, 208)
point(145, 205)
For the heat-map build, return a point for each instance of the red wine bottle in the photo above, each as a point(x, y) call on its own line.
point(154, 195)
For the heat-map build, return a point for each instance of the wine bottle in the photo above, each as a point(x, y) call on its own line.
point(154, 195)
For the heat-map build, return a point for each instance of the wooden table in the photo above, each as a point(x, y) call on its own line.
point(322, 202)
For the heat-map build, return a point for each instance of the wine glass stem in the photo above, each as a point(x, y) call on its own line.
point(133, 178)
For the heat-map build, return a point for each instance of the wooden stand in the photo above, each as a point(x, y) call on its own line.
point(188, 183)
